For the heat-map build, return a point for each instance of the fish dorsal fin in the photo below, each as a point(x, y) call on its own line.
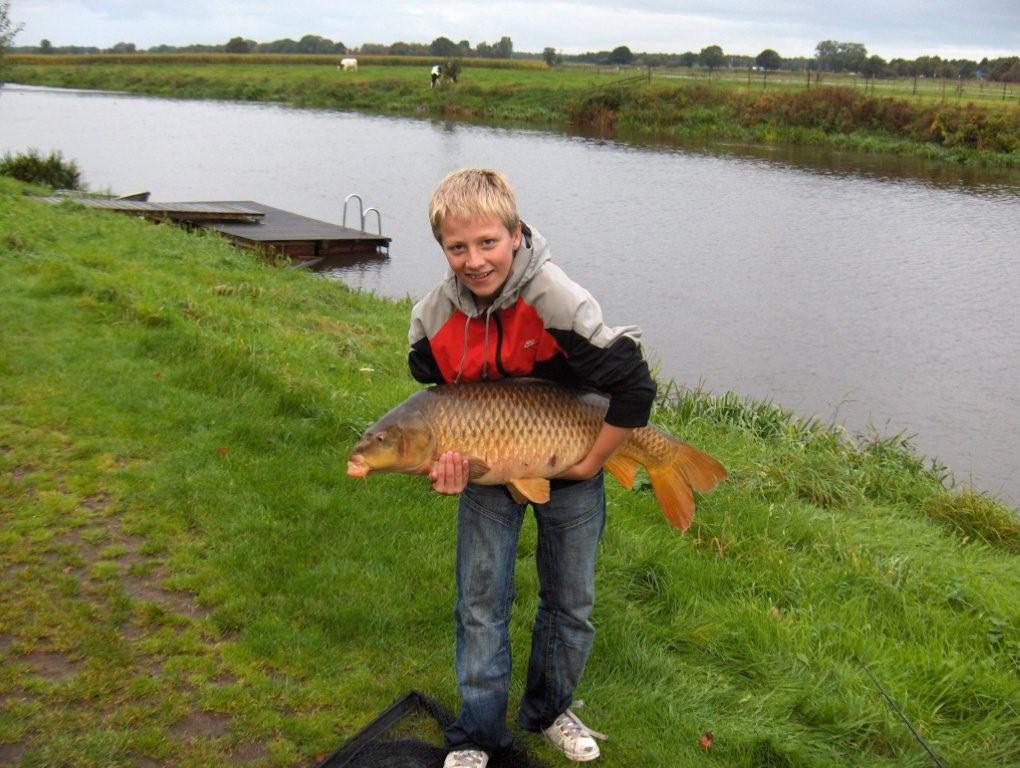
point(476, 469)
point(534, 489)
point(623, 469)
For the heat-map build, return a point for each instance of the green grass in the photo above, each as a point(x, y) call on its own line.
point(190, 579)
point(978, 129)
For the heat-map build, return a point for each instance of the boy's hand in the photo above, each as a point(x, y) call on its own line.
point(449, 475)
point(583, 470)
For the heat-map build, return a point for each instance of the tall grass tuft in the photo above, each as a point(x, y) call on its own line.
point(976, 517)
point(33, 168)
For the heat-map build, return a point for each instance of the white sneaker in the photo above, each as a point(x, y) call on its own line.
point(466, 758)
point(576, 739)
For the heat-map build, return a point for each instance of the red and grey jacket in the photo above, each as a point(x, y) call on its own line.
point(542, 324)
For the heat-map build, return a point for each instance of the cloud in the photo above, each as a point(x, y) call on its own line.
point(792, 27)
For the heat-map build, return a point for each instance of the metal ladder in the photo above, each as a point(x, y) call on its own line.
point(363, 213)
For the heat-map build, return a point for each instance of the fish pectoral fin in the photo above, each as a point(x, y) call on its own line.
point(476, 469)
point(534, 489)
point(623, 469)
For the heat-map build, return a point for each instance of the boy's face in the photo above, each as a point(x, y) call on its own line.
point(480, 252)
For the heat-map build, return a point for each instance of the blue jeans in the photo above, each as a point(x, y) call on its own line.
point(488, 524)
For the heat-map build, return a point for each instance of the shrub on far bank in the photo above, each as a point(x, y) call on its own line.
point(32, 167)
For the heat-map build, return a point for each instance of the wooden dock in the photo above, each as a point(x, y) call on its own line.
point(252, 225)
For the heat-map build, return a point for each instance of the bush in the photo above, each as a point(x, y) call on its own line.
point(53, 171)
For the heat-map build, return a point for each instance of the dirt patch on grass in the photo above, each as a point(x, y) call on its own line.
point(96, 501)
point(87, 551)
point(53, 666)
point(177, 602)
point(247, 753)
point(11, 753)
point(21, 471)
point(201, 725)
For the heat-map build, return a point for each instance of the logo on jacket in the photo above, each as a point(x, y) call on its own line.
point(530, 343)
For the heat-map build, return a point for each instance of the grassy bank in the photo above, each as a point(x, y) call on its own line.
point(190, 579)
point(624, 105)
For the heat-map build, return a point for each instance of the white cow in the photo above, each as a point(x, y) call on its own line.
point(348, 64)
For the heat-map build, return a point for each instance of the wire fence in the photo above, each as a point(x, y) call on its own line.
point(922, 88)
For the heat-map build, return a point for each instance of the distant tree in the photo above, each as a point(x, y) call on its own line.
point(711, 57)
point(834, 56)
point(463, 48)
point(45, 46)
point(123, 48)
point(549, 56)
point(443, 46)
point(688, 59)
point(874, 66)
point(621, 55)
point(238, 45)
point(317, 44)
point(8, 29)
point(768, 59)
point(504, 48)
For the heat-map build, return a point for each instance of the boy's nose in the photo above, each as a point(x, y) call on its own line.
point(474, 255)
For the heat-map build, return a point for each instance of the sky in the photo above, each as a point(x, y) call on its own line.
point(888, 28)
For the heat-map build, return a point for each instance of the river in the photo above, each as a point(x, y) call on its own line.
point(872, 291)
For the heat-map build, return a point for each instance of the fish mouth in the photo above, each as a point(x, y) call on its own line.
point(356, 467)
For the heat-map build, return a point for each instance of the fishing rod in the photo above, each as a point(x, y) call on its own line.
point(903, 717)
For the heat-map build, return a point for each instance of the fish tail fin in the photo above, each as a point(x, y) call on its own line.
point(686, 468)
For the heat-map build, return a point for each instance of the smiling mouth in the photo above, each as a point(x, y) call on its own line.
point(480, 276)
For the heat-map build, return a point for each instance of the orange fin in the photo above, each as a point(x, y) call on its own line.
point(673, 481)
point(534, 489)
point(623, 469)
point(701, 470)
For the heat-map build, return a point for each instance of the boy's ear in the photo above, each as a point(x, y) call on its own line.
point(517, 235)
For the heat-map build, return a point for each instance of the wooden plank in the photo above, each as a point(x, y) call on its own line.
point(176, 211)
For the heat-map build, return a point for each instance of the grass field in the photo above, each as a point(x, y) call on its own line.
point(190, 579)
point(975, 127)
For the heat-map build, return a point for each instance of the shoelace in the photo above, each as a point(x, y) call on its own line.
point(467, 758)
point(572, 727)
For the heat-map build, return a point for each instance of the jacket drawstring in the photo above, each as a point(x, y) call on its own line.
point(463, 355)
point(485, 350)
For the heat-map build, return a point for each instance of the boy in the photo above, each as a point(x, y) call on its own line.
point(506, 310)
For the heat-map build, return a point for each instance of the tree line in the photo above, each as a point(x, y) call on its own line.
point(830, 56)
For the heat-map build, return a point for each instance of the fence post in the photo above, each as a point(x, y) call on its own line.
point(808, 70)
point(1003, 90)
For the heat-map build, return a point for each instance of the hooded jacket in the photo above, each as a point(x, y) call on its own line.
point(541, 324)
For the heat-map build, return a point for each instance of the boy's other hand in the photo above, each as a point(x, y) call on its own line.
point(583, 470)
point(449, 475)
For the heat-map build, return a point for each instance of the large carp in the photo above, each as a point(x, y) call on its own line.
point(521, 432)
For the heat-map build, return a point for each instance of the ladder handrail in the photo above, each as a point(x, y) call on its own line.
point(361, 211)
point(378, 217)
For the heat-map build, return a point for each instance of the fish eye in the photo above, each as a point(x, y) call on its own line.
point(380, 437)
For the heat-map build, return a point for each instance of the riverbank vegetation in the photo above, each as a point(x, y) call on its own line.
point(189, 577)
point(629, 104)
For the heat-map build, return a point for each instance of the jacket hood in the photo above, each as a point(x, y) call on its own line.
point(528, 259)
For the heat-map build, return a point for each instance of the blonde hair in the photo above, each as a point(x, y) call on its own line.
point(472, 193)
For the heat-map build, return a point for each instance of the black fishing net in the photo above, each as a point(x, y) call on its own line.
point(409, 735)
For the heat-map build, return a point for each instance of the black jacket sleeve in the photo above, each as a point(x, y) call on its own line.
point(423, 364)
